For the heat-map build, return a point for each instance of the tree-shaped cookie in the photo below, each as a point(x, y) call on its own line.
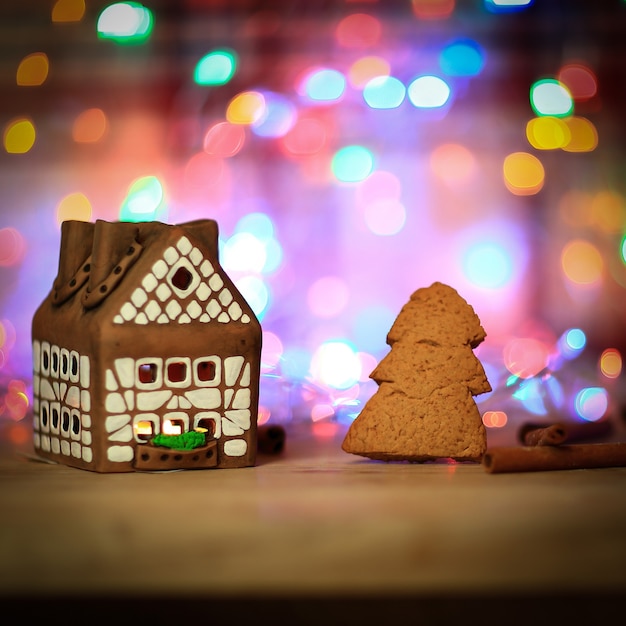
point(424, 407)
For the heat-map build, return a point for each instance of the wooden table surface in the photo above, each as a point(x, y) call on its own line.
point(314, 522)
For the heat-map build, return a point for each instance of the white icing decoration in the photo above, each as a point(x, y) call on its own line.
point(184, 319)
point(203, 292)
point(86, 438)
point(205, 318)
point(118, 319)
point(173, 309)
point(54, 361)
point(196, 256)
point(206, 268)
point(87, 455)
point(129, 396)
point(240, 417)
point(74, 358)
point(37, 440)
point(84, 372)
point(159, 269)
point(75, 449)
point(183, 403)
point(149, 283)
point(123, 434)
point(225, 297)
point(173, 403)
point(55, 446)
point(207, 398)
point(73, 397)
point(216, 282)
point(194, 309)
point(242, 399)
point(125, 369)
point(85, 400)
point(45, 350)
point(234, 310)
point(213, 308)
point(163, 292)
point(86, 420)
point(65, 447)
point(128, 311)
point(36, 356)
point(223, 317)
point(232, 369)
point(184, 245)
point(115, 422)
point(245, 377)
point(151, 400)
point(163, 319)
point(228, 397)
point(65, 364)
point(235, 447)
point(114, 403)
point(152, 310)
point(141, 319)
point(45, 390)
point(139, 297)
point(120, 454)
point(171, 255)
point(229, 428)
point(245, 318)
point(110, 383)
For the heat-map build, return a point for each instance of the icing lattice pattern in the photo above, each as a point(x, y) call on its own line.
point(182, 287)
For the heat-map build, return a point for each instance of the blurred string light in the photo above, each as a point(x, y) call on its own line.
point(336, 364)
point(323, 85)
point(367, 68)
point(551, 97)
point(224, 139)
point(523, 173)
point(125, 23)
point(90, 126)
point(246, 108)
point(571, 343)
point(428, 92)
point(19, 136)
point(215, 68)
point(12, 246)
point(580, 80)
point(384, 92)
point(583, 136)
point(143, 201)
point(463, 57)
point(352, 164)
point(74, 206)
point(611, 363)
point(68, 11)
point(307, 136)
point(506, 6)
point(433, 9)
point(591, 403)
point(488, 264)
point(454, 164)
point(358, 30)
point(582, 263)
point(278, 116)
point(379, 198)
point(33, 70)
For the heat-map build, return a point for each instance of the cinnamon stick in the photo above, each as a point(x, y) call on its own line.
point(550, 435)
point(547, 458)
point(531, 434)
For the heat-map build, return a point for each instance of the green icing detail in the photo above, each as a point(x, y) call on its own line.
point(185, 441)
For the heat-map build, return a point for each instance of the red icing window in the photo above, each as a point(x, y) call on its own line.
point(176, 372)
point(206, 371)
point(147, 373)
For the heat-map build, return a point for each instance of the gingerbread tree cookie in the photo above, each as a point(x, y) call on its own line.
point(424, 407)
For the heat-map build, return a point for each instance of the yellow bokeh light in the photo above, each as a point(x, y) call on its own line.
point(74, 206)
point(365, 69)
point(33, 70)
point(19, 136)
point(609, 211)
point(523, 173)
point(547, 133)
point(575, 208)
point(90, 126)
point(583, 135)
point(246, 108)
point(582, 262)
point(68, 11)
point(611, 363)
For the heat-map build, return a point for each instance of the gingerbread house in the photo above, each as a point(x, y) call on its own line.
point(144, 336)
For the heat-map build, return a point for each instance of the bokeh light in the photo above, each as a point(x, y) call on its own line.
point(74, 206)
point(125, 23)
point(12, 246)
point(488, 264)
point(19, 136)
point(323, 85)
point(33, 70)
point(68, 11)
point(495, 419)
point(352, 164)
point(611, 363)
point(548, 133)
point(90, 126)
point(428, 92)
point(548, 96)
point(246, 108)
point(506, 6)
point(580, 81)
point(583, 135)
point(525, 357)
point(571, 343)
point(454, 164)
point(215, 68)
point(224, 139)
point(385, 217)
point(358, 30)
point(523, 173)
point(143, 201)
point(384, 92)
point(365, 69)
point(433, 9)
point(256, 293)
point(278, 117)
point(336, 364)
point(307, 136)
point(591, 403)
point(463, 57)
point(582, 262)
